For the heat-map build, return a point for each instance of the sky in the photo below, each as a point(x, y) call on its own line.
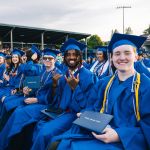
point(85, 16)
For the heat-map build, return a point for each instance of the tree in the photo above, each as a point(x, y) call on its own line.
point(147, 31)
point(94, 41)
point(114, 31)
point(128, 30)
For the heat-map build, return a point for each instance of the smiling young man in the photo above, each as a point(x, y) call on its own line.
point(125, 95)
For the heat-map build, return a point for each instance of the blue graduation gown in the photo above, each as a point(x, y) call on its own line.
point(86, 65)
point(31, 69)
point(14, 80)
point(43, 94)
point(27, 114)
point(98, 69)
point(62, 67)
point(13, 83)
point(146, 62)
point(66, 99)
point(132, 134)
point(12, 101)
point(141, 68)
point(2, 69)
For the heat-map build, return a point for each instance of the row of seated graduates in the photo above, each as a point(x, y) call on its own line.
point(14, 69)
point(40, 109)
point(70, 96)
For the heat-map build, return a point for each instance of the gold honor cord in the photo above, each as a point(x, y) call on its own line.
point(105, 93)
point(137, 85)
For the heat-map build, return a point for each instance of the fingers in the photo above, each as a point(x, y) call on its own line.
point(56, 77)
point(30, 100)
point(78, 76)
point(71, 75)
point(66, 78)
point(109, 135)
point(94, 134)
point(53, 73)
point(101, 137)
point(13, 92)
point(26, 90)
point(106, 130)
point(78, 115)
point(26, 101)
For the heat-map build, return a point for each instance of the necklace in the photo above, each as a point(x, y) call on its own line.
point(49, 73)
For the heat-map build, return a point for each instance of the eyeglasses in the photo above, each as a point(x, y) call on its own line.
point(48, 58)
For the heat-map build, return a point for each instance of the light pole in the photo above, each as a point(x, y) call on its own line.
point(123, 7)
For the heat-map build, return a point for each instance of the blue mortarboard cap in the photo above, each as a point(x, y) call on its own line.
point(72, 44)
point(140, 51)
point(102, 48)
point(48, 51)
point(34, 49)
point(2, 54)
point(8, 57)
point(17, 52)
point(125, 39)
point(90, 56)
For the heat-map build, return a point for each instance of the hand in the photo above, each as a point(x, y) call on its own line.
point(55, 79)
point(30, 100)
point(13, 91)
point(72, 81)
point(26, 90)
point(34, 56)
point(6, 77)
point(78, 115)
point(14, 74)
point(109, 136)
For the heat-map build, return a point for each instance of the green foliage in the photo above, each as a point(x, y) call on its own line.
point(114, 31)
point(128, 30)
point(94, 41)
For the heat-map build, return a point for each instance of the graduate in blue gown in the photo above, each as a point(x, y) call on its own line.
point(88, 62)
point(62, 66)
point(2, 67)
point(16, 98)
point(146, 62)
point(124, 95)
point(12, 75)
point(141, 68)
point(101, 66)
point(30, 110)
point(71, 95)
point(140, 65)
point(32, 66)
point(143, 58)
